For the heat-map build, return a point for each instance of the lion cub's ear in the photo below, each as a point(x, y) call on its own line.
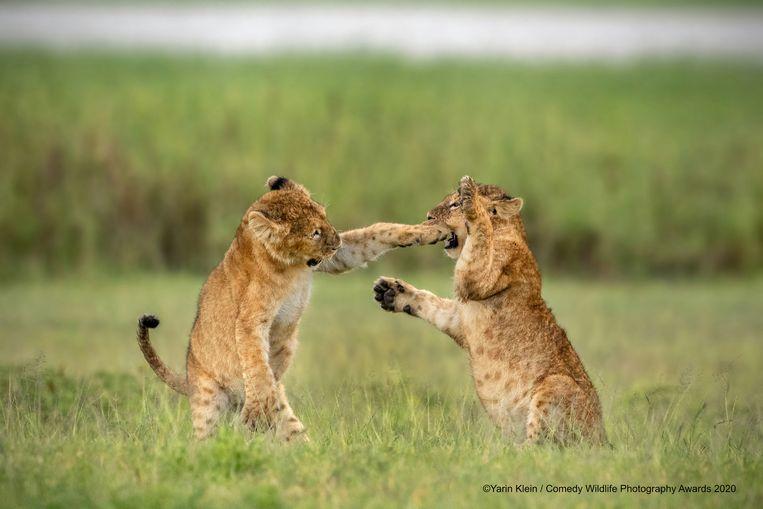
point(262, 226)
point(507, 208)
point(275, 183)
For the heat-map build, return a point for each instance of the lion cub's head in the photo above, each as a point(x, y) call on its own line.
point(502, 208)
point(290, 225)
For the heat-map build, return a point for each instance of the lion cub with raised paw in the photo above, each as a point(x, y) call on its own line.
point(245, 332)
point(526, 372)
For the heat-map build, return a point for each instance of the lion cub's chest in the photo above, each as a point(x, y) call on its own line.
point(295, 301)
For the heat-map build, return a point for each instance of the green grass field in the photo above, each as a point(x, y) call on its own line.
point(388, 401)
point(129, 162)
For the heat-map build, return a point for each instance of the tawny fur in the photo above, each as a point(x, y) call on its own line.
point(526, 373)
point(245, 333)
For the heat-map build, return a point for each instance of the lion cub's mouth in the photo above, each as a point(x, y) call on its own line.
point(452, 241)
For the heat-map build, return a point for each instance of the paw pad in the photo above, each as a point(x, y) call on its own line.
point(386, 291)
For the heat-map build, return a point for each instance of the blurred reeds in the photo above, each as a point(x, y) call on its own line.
point(136, 162)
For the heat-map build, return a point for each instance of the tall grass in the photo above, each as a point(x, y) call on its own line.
point(125, 162)
point(388, 401)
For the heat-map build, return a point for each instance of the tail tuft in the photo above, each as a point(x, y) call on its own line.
point(175, 381)
point(148, 321)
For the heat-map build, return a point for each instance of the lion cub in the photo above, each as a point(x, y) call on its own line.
point(525, 370)
point(249, 308)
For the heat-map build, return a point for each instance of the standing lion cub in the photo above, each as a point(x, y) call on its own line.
point(249, 308)
point(526, 372)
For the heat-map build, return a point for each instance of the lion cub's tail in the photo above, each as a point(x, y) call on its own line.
point(174, 380)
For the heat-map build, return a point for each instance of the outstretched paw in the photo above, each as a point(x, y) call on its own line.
point(421, 234)
point(393, 294)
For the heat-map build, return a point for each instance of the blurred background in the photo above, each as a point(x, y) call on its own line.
point(134, 135)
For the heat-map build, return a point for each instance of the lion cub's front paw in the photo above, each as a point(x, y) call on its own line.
point(467, 188)
point(257, 414)
point(467, 191)
point(293, 431)
point(393, 294)
point(423, 234)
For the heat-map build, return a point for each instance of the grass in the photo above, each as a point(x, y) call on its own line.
point(125, 162)
point(389, 402)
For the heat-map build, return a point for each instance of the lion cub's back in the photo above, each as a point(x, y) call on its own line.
point(213, 335)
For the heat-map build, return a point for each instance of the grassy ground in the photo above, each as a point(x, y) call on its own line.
point(640, 168)
point(389, 402)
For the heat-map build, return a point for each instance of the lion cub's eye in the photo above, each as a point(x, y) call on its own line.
point(316, 234)
point(455, 205)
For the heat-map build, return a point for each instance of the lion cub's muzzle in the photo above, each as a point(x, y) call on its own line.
point(329, 252)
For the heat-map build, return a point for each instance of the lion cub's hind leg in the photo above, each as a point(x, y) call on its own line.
point(552, 411)
point(208, 402)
